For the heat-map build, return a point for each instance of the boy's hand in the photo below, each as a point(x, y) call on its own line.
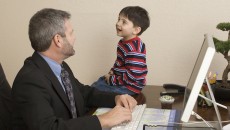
point(107, 78)
point(111, 72)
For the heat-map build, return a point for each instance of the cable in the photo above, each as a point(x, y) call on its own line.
point(218, 104)
point(199, 117)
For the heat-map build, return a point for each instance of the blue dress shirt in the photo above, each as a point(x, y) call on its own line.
point(55, 67)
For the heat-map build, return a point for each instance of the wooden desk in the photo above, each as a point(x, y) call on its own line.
point(152, 95)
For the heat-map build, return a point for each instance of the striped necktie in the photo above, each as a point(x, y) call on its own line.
point(69, 91)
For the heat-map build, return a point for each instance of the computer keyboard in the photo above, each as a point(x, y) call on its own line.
point(136, 117)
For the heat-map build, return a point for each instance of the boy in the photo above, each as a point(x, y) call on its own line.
point(129, 71)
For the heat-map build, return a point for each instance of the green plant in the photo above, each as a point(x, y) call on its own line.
point(223, 47)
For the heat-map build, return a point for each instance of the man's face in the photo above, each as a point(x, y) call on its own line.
point(68, 41)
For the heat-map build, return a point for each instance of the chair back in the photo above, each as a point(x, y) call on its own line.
point(140, 98)
point(5, 102)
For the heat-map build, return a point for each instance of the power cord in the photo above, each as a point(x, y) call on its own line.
point(199, 117)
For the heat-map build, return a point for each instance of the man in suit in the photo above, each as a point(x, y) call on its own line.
point(45, 98)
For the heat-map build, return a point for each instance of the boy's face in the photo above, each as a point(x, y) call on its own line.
point(125, 28)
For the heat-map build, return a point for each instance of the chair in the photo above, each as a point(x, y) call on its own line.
point(140, 98)
point(5, 102)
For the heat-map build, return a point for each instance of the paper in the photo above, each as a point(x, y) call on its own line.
point(151, 116)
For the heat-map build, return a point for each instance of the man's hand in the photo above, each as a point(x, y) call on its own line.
point(126, 101)
point(114, 117)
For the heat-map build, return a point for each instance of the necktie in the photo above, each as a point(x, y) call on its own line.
point(69, 91)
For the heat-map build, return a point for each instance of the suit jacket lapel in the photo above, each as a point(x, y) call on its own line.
point(44, 67)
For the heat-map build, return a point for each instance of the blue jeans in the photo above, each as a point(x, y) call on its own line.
point(101, 85)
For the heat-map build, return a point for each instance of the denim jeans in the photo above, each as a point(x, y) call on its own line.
point(101, 85)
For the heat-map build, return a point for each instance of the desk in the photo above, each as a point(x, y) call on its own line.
point(152, 95)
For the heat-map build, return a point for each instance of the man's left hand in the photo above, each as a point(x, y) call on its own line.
point(125, 101)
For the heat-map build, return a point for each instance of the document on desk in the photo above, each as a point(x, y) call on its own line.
point(164, 117)
point(152, 116)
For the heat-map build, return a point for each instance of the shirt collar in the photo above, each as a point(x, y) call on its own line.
point(128, 41)
point(55, 67)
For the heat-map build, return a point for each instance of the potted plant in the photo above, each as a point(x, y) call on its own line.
point(223, 47)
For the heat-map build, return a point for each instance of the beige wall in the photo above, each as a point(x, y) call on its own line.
point(173, 39)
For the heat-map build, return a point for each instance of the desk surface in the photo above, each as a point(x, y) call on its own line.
point(152, 94)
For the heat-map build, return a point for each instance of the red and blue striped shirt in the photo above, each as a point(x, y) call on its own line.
point(130, 67)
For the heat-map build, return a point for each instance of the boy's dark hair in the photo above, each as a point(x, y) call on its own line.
point(138, 15)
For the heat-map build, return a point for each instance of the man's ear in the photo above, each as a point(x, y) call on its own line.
point(137, 30)
point(57, 40)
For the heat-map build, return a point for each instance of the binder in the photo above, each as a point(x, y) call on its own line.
point(174, 127)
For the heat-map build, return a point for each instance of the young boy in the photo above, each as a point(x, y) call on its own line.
point(129, 71)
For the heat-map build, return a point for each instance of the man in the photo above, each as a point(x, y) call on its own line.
point(45, 92)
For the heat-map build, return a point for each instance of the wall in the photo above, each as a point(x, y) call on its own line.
point(173, 39)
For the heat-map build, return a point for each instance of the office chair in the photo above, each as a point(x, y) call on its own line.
point(5, 102)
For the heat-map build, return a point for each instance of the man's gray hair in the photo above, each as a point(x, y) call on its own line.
point(44, 25)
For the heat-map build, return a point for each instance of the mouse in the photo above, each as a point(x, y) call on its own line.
point(226, 127)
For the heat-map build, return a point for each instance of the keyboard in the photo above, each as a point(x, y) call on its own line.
point(136, 117)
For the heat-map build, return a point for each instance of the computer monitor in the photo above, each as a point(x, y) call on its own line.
point(197, 77)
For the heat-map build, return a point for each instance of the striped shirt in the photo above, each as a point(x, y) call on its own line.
point(130, 67)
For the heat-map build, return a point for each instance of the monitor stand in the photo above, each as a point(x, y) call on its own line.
point(214, 103)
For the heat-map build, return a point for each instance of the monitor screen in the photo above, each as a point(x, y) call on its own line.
point(197, 77)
